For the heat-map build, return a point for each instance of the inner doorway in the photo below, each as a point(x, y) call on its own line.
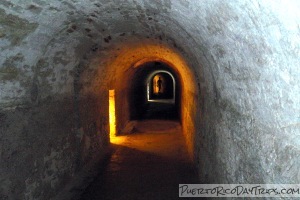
point(155, 93)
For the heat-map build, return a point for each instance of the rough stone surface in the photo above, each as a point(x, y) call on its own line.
point(238, 61)
point(146, 165)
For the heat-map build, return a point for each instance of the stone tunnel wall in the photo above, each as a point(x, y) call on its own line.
point(244, 56)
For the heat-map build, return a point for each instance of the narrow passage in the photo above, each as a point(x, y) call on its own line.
point(145, 165)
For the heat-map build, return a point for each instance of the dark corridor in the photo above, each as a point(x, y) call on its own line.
point(147, 165)
point(148, 103)
point(159, 111)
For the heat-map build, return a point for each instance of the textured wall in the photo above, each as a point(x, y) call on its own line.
point(59, 58)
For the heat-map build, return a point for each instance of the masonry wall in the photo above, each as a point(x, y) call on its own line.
point(58, 59)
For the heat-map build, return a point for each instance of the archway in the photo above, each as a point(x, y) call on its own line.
point(149, 100)
point(161, 87)
point(119, 73)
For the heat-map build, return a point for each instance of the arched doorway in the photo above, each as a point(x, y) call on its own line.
point(161, 87)
point(133, 65)
point(154, 93)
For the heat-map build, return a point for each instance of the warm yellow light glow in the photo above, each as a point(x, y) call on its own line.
point(158, 84)
point(122, 62)
point(112, 115)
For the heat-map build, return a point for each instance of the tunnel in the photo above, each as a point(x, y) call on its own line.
point(79, 78)
point(154, 93)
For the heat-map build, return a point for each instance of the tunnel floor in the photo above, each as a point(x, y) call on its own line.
point(156, 110)
point(160, 111)
point(146, 165)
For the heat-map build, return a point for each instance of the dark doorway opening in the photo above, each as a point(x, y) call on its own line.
point(161, 87)
point(154, 93)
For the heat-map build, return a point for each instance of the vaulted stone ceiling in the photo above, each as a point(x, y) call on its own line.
point(239, 60)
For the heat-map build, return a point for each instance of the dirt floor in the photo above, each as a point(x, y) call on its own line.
point(149, 164)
